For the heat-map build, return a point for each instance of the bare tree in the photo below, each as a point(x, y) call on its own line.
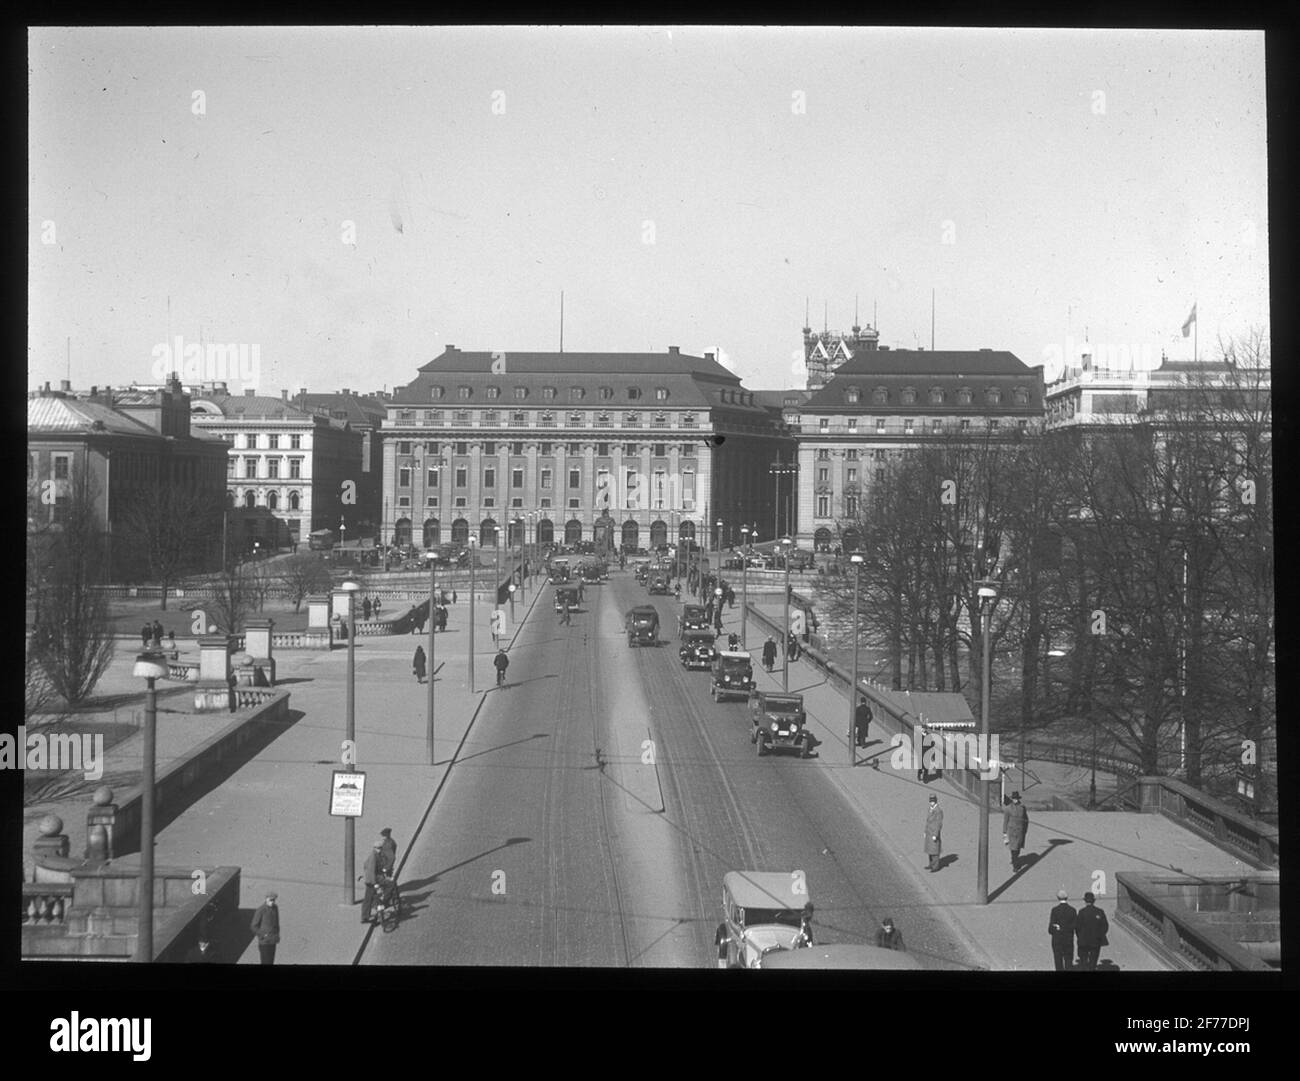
point(303, 574)
point(233, 598)
point(74, 636)
point(169, 527)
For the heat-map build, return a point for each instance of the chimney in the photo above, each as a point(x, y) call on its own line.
point(250, 392)
point(284, 395)
point(449, 348)
point(65, 385)
point(708, 356)
point(674, 349)
point(93, 391)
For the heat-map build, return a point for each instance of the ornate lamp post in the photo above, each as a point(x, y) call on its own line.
point(149, 666)
point(350, 735)
point(473, 558)
point(785, 642)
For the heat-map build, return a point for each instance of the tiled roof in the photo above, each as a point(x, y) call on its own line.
point(252, 407)
point(776, 399)
point(50, 414)
point(932, 362)
point(361, 411)
point(642, 364)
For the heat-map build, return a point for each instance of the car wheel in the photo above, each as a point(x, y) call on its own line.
point(762, 746)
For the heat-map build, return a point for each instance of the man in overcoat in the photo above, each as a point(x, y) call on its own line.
point(1090, 928)
point(934, 833)
point(1015, 824)
point(1060, 926)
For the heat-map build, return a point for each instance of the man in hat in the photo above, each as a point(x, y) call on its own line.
point(266, 927)
point(1015, 824)
point(1090, 928)
point(373, 873)
point(769, 653)
point(1060, 926)
point(388, 848)
point(889, 937)
point(934, 833)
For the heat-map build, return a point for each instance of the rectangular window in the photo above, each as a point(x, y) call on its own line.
point(434, 478)
point(295, 442)
point(462, 477)
point(432, 500)
point(824, 423)
point(403, 448)
point(573, 504)
point(489, 447)
point(462, 448)
point(658, 488)
point(1023, 425)
point(460, 502)
point(630, 493)
point(575, 478)
point(273, 468)
point(403, 500)
point(250, 467)
point(404, 477)
point(661, 450)
point(823, 455)
point(823, 506)
point(851, 455)
point(575, 448)
point(230, 467)
point(516, 502)
point(516, 478)
point(489, 478)
point(544, 449)
point(489, 501)
point(880, 426)
point(851, 506)
point(907, 427)
point(853, 424)
point(516, 448)
point(546, 479)
point(295, 469)
point(688, 450)
point(602, 450)
point(273, 442)
point(852, 476)
point(688, 489)
point(823, 474)
point(630, 449)
point(546, 504)
point(965, 425)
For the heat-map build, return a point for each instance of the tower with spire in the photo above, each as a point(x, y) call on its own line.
point(825, 352)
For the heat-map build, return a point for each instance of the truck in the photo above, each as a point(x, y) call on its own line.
point(642, 625)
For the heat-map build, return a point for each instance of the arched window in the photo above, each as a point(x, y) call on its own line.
point(460, 532)
point(402, 531)
point(273, 500)
point(964, 396)
point(1020, 395)
point(545, 531)
point(250, 499)
point(853, 395)
point(295, 501)
point(993, 396)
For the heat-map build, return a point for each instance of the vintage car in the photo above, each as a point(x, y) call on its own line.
point(691, 619)
point(657, 582)
point(592, 573)
point(566, 594)
point(733, 675)
point(762, 911)
point(839, 955)
point(696, 649)
point(558, 570)
point(642, 625)
point(778, 721)
point(642, 571)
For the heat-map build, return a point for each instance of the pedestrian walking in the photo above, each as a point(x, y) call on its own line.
point(717, 619)
point(388, 848)
point(157, 634)
point(889, 937)
point(501, 662)
point(372, 872)
point(266, 928)
point(442, 618)
point(418, 664)
point(1015, 824)
point(934, 833)
point(453, 596)
point(861, 721)
point(1090, 927)
point(565, 617)
point(375, 607)
point(233, 683)
point(792, 646)
point(146, 635)
point(171, 640)
point(769, 653)
point(365, 608)
point(922, 765)
point(1060, 928)
point(708, 610)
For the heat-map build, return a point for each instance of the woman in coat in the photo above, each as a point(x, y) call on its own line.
point(934, 833)
point(418, 665)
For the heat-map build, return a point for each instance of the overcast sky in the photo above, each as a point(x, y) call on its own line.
point(684, 187)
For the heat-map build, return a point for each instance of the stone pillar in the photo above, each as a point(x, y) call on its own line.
point(52, 841)
point(212, 691)
point(100, 821)
point(318, 613)
point(257, 644)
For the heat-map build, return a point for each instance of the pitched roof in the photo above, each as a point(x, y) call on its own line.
point(252, 407)
point(530, 363)
point(68, 415)
point(361, 410)
point(932, 362)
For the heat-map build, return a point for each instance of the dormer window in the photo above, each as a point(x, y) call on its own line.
point(1020, 395)
point(936, 395)
point(964, 396)
point(880, 396)
point(993, 396)
point(548, 394)
point(908, 396)
point(853, 395)
point(576, 394)
point(464, 392)
point(606, 394)
point(494, 392)
point(633, 393)
point(661, 394)
point(436, 392)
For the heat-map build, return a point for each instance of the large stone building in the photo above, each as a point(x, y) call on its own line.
point(132, 443)
point(304, 468)
point(364, 414)
point(635, 448)
point(881, 402)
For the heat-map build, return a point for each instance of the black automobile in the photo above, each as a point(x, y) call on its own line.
point(642, 625)
point(657, 582)
point(692, 619)
point(696, 650)
point(733, 675)
point(778, 722)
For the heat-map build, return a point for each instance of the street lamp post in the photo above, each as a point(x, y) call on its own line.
point(856, 560)
point(744, 583)
point(785, 640)
point(433, 593)
point(496, 592)
point(988, 593)
point(720, 546)
point(149, 666)
point(350, 736)
point(473, 558)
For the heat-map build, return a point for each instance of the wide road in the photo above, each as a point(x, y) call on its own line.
point(546, 846)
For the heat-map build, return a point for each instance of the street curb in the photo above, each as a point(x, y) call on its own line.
point(446, 773)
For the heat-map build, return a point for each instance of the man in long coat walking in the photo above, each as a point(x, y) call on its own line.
point(1090, 928)
point(266, 928)
point(1060, 927)
point(418, 664)
point(1015, 824)
point(769, 653)
point(934, 833)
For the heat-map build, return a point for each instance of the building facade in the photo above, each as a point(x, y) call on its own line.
point(882, 403)
point(636, 449)
point(304, 468)
point(364, 414)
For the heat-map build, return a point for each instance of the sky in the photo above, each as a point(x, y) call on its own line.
point(345, 202)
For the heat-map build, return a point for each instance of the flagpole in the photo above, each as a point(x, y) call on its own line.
point(1196, 326)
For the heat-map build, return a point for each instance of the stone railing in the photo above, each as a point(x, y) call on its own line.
point(1255, 842)
point(1208, 925)
point(176, 783)
point(185, 671)
point(312, 639)
point(46, 903)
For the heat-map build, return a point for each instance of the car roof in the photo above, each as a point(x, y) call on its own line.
point(840, 955)
point(764, 889)
point(735, 655)
point(698, 632)
point(779, 696)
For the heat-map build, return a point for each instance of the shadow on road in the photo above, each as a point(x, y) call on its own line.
point(1027, 861)
point(503, 746)
point(411, 887)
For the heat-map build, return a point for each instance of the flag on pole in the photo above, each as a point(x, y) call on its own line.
point(1187, 326)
